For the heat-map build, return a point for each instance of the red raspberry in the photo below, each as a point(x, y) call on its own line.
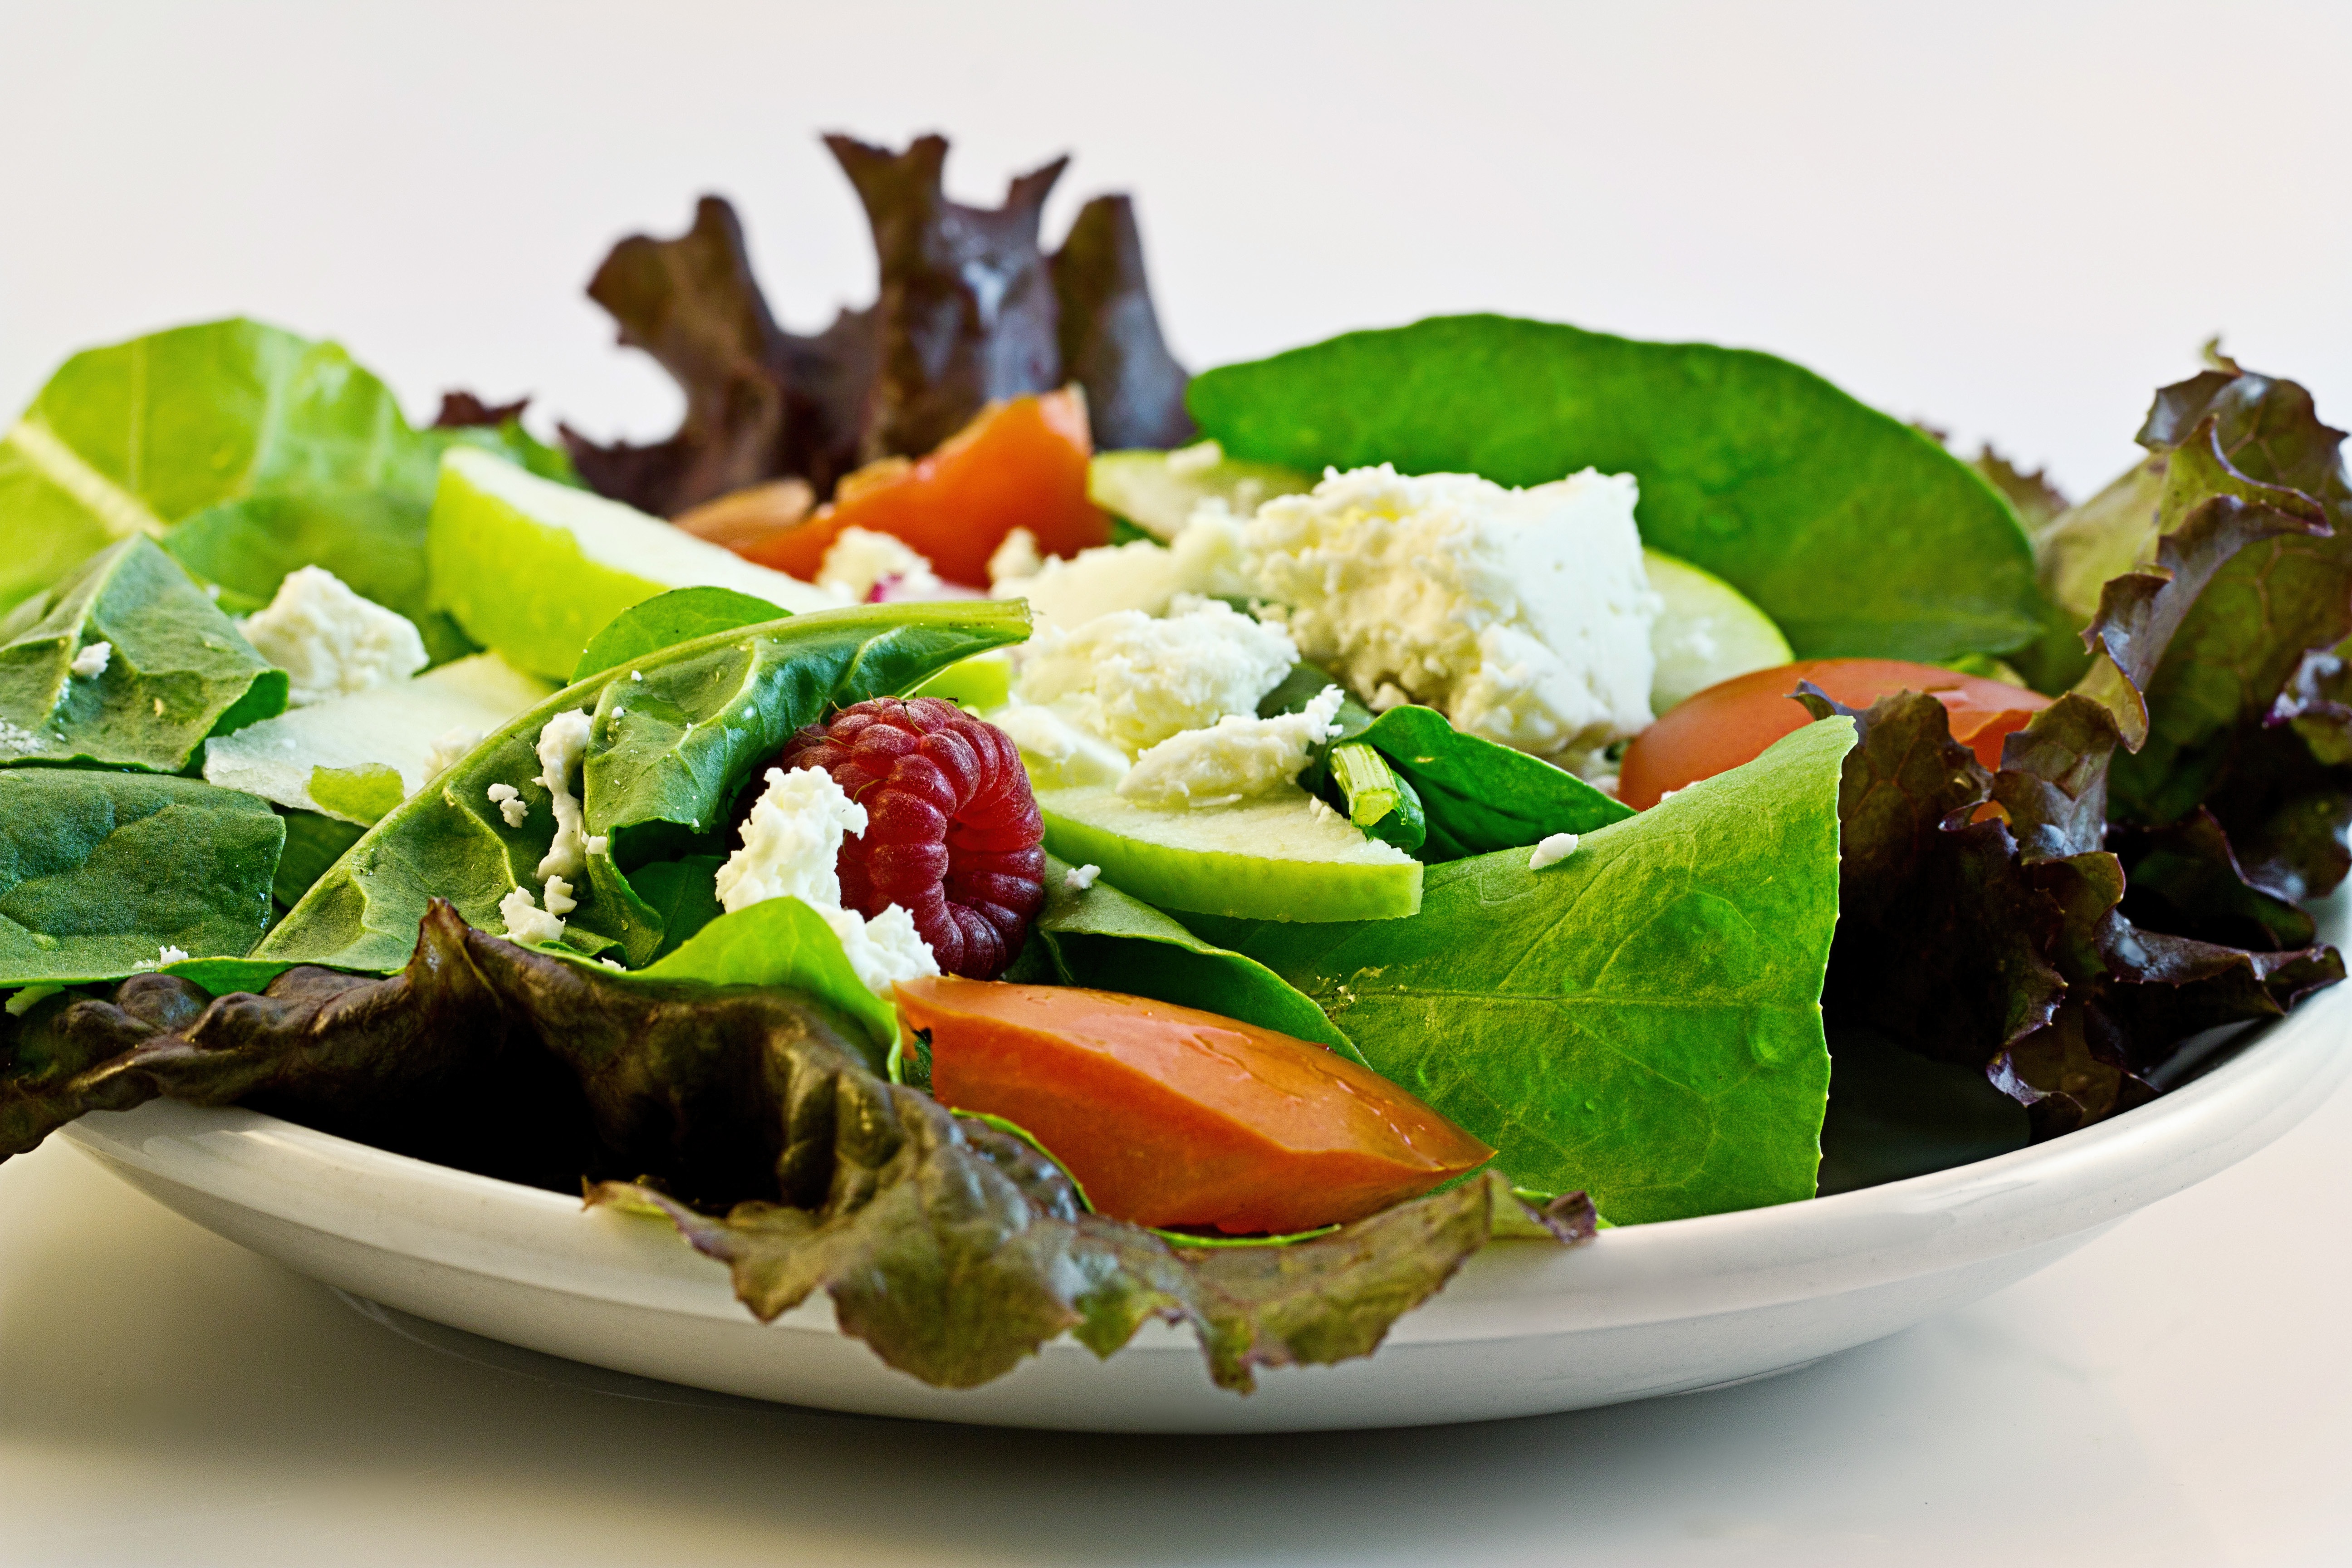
point(952, 832)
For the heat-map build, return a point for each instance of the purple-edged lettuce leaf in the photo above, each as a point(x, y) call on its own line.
point(759, 401)
point(1110, 336)
point(756, 1121)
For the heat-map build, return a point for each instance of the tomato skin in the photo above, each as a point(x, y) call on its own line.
point(1019, 463)
point(1172, 1117)
point(1734, 720)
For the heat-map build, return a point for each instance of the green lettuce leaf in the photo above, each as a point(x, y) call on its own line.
point(1099, 937)
point(1855, 533)
point(953, 1249)
point(100, 872)
point(783, 944)
point(313, 843)
point(1641, 1020)
point(675, 737)
point(176, 669)
point(679, 616)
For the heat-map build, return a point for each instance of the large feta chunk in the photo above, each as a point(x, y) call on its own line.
point(1135, 680)
point(526, 921)
point(792, 841)
point(1205, 558)
point(1234, 759)
point(1525, 615)
point(328, 640)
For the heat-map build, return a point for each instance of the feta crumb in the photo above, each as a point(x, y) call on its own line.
point(558, 899)
point(329, 640)
point(511, 803)
point(792, 842)
point(90, 662)
point(1234, 760)
point(1525, 615)
point(159, 708)
point(634, 674)
point(526, 921)
point(1017, 556)
point(15, 741)
point(451, 749)
point(1078, 878)
point(561, 746)
point(30, 997)
point(1135, 681)
point(597, 843)
point(1554, 848)
point(1206, 558)
point(616, 968)
point(1317, 808)
point(860, 559)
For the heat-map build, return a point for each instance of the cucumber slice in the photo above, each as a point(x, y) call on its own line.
point(534, 569)
point(1158, 490)
point(1286, 858)
point(1708, 632)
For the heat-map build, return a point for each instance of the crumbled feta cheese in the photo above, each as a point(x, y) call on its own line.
point(1056, 752)
point(15, 741)
point(1078, 878)
point(1016, 556)
point(597, 843)
point(792, 841)
point(1525, 615)
point(159, 708)
point(860, 559)
point(526, 921)
point(91, 661)
point(1206, 558)
point(562, 743)
point(1135, 680)
point(636, 675)
point(451, 748)
point(1551, 851)
point(511, 803)
point(1233, 760)
point(329, 640)
point(30, 997)
point(558, 899)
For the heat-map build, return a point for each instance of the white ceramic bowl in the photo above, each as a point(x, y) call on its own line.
point(1527, 1328)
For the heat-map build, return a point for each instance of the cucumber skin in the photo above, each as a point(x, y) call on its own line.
point(1245, 887)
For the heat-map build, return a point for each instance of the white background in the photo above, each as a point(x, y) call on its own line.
point(2011, 220)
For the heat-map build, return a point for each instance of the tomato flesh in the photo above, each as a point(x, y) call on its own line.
point(1172, 1117)
point(1734, 720)
point(1019, 463)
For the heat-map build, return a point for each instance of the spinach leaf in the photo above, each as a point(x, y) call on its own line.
point(1855, 533)
point(314, 842)
point(952, 1248)
point(778, 944)
point(174, 670)
point(679, 616)
point(1477, 796)
point(100, 872)
point(1099, 937)
point(1641, 1020)
point(683, 895)
point(674, 738)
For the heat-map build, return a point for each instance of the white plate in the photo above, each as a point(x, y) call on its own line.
point(1525, 1329)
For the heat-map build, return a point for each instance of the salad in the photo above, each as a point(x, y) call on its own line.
point(1024, 840)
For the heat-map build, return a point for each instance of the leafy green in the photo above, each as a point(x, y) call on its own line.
point(679, 616)
point(1893, 1113)
point(248, 451)
point(781, 943)
point(952, 1248)
point(175, 668)
point(1109, 333)
point(1640, 1020)
point(101, 871)
point(313, 843)
point(1855, 534)
point(363, 793)
point(1477, 796)
point(1098, 936)
point(674, 737)
point(683, 895)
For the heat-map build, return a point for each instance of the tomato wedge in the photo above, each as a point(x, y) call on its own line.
point(1172, 1117)
point(1019, 463)
point(1733, 721)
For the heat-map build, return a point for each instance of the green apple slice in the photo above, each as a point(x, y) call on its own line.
point(355, 757)
point(1708, 632)
point(1285, 858)
point(984, 681)
point(1157, 491)
point(534, 569)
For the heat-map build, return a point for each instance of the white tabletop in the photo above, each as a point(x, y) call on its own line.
point(2014, 224)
